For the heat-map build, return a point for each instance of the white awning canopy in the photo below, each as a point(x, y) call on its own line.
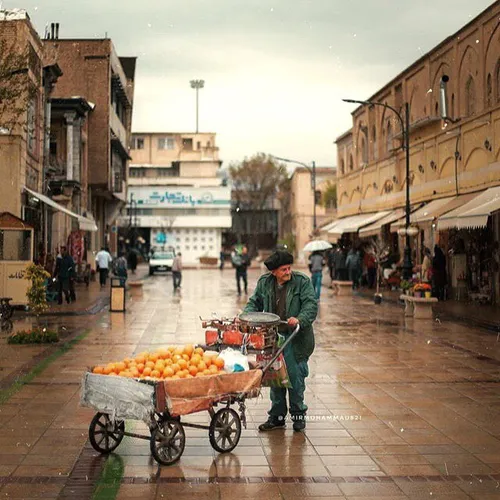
point(354, 222)
point(375, 228)
point(474, 213)
point(84, 223)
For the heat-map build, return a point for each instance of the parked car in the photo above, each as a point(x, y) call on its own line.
point(161, 261)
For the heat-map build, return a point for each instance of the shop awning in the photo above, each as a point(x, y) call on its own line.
point(354, 222)
point(375, 228)
point(474, 213)
point(84, 223)
point(434, 209)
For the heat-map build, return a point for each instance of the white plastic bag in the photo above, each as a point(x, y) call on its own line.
point(234, 360)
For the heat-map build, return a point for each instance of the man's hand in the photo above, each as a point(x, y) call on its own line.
point(293, 322)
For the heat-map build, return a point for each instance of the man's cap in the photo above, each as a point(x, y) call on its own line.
point(278, 259)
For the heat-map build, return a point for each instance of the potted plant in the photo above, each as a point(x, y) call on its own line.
point(423, 289)
point(380, 251)
point(405, 286)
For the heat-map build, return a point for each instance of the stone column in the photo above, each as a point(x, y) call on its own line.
point(70, 117)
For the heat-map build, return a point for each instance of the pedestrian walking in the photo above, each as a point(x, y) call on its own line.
point(222, 258)
point(177, 271)
point(241, 261)
point(316, 263)
point(340, 264)
point(103, 259)
point(65, 272)
point(353, 264)
point(132, 260)
point(120, 269)
point(370, 263)
point(331, 263)
point(290, 295)
point(439, 279)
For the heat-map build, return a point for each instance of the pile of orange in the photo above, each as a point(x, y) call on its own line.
point(171, 363)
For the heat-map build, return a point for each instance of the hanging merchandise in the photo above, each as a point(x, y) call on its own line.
point(76, 246)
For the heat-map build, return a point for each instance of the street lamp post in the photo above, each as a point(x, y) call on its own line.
point(405, 129)
point(312, 171)
point(197, 85)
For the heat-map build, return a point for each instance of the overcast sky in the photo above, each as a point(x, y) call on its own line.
point(275, 70)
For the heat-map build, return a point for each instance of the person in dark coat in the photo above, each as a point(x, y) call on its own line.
point(65, 273)
point(132, 260)
point(439, 279)
point(340, 265)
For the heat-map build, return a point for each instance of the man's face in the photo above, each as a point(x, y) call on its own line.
point(64, 251)
point(283, 273)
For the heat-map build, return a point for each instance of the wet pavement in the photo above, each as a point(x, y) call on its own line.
point(398, 408)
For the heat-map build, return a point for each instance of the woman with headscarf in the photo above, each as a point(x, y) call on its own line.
point(439, 279)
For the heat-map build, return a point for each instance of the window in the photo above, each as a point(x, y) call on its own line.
point(489, 91)
point(137, 172)
point(497, 81)
point(198, 145)
point(342, 167)
point(138, 143)
point(374, 142)
point(389, 138)
point(31, 125)
point(187, 144)
point(470, 97)
point(351, 163)
point(364, 151)
point(452, 105)
point(166, 143)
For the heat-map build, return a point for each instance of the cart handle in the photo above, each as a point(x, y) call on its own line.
point(282, 348)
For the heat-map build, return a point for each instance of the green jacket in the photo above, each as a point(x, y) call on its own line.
point(300, 303)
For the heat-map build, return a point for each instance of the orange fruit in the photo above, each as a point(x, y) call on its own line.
point(150, 364)
point(189, 349)
point(140, 367)
point(219, 362)
point(140, 359)
point(167, 355)
point(175, 376)
point(161, 352)
point(171, 348)
point(181, 374)
point(178, 350)
point(213, 369)
point(120, 366)
point(153, 357)
point(168, 372)
point(176, 367)
point(195, 359)
point(176, 357)
point(134, 372)
point(98, 369)
point(107, 370)
point(193, 370)
point(168, 362)
point(202, 366)
point(206, 372)
point(182, 363)
point(199, 374)
point(155, 374)
point(147, 371)
point(199, 350)
point(114, 374)
point(189, 376)
point(207, 360)
point(222, 372)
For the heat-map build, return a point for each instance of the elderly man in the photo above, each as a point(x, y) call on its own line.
point(290, 295)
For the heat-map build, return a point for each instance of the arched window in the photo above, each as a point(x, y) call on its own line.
point(389, 138)
point(497, 82)
point(374, 142)
point(489, 91)
point(364, 151)
point(436, 109)
point(452, 106)
point(342, 167)
point(351, 163)
point(470, 97)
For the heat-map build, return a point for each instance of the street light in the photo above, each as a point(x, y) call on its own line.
point(313, 182)
point(197, 85)
point(405, 129)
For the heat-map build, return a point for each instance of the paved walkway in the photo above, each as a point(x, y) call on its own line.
point(398, 409)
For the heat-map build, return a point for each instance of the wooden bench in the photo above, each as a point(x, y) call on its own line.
point(342, 288)
point(418, 307)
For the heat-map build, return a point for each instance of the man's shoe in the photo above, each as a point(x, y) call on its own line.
point(271, 425)
point(299, 425)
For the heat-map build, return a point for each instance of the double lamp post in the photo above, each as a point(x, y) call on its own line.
point(405, 129)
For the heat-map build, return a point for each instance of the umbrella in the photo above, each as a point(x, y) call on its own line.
point(317, 246)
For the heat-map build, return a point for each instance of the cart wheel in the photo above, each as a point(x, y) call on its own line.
point(225, 430)
point(105, 435)
point(168, 441)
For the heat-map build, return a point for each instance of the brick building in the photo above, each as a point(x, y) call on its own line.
point(455, 167)
point(93, 71)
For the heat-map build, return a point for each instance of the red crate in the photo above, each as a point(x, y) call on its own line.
point(211, 337)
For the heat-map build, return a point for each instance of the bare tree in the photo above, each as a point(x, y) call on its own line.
point(380, 250)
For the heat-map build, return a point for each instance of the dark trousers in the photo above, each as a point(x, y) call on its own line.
point(341, 274)
point(241, 274)
point(63, 287)
point(103, 276)
point(372, 277)
point(177, 279)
